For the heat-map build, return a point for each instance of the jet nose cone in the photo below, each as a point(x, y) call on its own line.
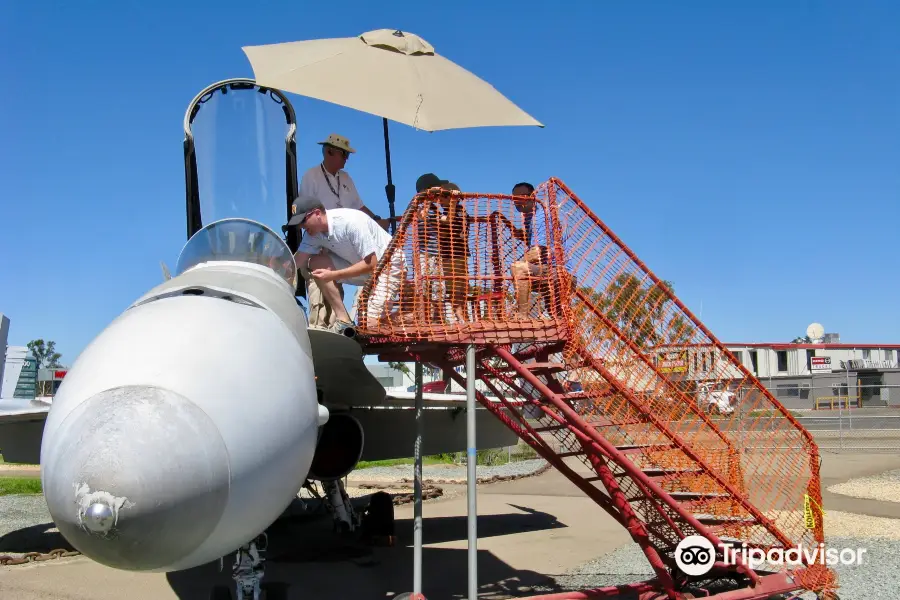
point(136, 477)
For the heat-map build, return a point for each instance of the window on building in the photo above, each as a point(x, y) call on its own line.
point(788, 390)
point(754, 361)
point(739, 355)
point(809, 356)
point(867, 354)
point(386, 381)
point(782, 361)
point(889, 355)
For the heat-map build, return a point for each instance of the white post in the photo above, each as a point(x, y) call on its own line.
point(417, 487)
point(471, 477)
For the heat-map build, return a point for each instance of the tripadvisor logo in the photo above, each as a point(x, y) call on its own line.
point(695, 555)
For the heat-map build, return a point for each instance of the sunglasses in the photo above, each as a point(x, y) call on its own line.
point(338, 151)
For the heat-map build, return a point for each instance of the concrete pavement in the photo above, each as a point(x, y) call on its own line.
point(529, 530)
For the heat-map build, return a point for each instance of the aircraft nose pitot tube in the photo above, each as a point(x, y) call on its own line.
point(187, 426)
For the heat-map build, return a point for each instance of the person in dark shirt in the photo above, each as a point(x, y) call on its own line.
point(446, 229)
point(534, 262)
point(533, 270)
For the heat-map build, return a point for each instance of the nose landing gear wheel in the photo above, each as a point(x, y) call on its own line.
point(220, 592)
point(273, 590)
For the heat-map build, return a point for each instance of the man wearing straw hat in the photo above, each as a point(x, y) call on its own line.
point(331, 185)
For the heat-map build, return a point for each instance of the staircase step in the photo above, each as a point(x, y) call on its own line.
point(658, 472)
point(579, 396)
point(570, 454)
point(696, 495)
point(638, 448)
point(707, 519)
point(604, 422)
point(689, 501)
point(584, 395)
point(547, 428)
point(544, 368)
point(730, 540)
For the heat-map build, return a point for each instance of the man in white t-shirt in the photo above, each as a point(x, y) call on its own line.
point(344, 245)
point(328, 183)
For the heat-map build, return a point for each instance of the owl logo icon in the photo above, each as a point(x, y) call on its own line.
point(695, 555)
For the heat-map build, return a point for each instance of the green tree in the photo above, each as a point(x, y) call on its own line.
point(46, 356)
point(45, 353)
point(802, 340)
point(643, 312)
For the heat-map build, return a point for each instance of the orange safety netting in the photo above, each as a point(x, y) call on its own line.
point(498, 269)
point(456, 267)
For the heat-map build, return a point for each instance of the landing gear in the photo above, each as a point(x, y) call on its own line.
point(247, 573)
point(346, 520)
point(270, 591)
point(378, 521)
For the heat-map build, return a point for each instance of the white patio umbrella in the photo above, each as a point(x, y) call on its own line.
point(388, 73)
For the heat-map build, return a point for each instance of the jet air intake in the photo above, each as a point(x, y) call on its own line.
point(339, 449)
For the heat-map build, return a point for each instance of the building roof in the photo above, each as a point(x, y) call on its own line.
point(789, 346)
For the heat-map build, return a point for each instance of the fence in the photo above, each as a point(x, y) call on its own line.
point(865, 420)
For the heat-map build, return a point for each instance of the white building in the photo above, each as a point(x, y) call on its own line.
point(793, 360)
point(810, 375)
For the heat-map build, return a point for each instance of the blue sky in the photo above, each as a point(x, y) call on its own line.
point(748, 152)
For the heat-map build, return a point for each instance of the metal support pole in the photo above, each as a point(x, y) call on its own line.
point(417, 489)
point(471, 478)
point(389, 189)
point(841, 404)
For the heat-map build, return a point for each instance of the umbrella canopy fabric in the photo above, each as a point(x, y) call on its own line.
point(388, 73)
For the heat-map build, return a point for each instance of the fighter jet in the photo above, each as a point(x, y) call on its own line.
point(190, 424)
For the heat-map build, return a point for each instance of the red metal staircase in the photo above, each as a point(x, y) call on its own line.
point(654, 456)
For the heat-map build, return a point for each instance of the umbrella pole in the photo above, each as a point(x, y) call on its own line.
point(389, 188)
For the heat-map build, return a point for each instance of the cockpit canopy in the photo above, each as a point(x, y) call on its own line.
point(239, 240)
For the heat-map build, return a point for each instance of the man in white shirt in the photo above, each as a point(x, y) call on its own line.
point(328, 183)
point(344, 245)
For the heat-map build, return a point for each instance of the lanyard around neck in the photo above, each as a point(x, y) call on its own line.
point(328, 181)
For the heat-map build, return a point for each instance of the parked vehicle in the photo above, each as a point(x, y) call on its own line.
point(714, 402)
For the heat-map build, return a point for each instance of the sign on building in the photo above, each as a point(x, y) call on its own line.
point(820, 364)
point(675, 361)
point(26, 386)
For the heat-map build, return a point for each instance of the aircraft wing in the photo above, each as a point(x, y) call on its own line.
point(21, 431)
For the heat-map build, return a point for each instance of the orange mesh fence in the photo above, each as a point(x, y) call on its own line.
point(456, 267)
point(630, 322)
point(496, 269)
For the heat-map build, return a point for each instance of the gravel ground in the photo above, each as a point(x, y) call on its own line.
point(19, 514)
point(877, 578)
point(19, 511)
point(449, 472)
point(884, 487)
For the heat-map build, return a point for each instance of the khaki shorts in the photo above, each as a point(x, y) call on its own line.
point(381, 298)
point(386, 288)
